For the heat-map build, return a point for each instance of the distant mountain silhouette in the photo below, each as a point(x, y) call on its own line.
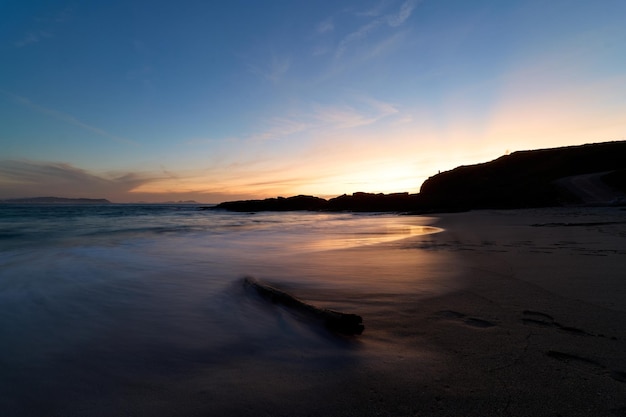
point(520, 180)
point(56, 200)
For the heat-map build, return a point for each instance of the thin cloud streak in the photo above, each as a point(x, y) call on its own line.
point(346, 117)
point(32, 38)
point(326, 26)
point(405, 12)
point(355, 36)
point(24, 179)
point(363, 111)
point(68, 118)
point(342, 117)
point(376, 10)
point(274, 70)
point(281, 127)
point(50, 22)
point(34, 179)
point(394, 20)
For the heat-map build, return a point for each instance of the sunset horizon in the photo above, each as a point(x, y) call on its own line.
point(158, 198)
point(155, 102)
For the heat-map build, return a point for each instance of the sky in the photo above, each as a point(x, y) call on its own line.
point(151, 100)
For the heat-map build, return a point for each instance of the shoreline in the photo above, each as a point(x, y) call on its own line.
point(503, 313)
point(538, 329)
point(535, 327)
point(518, 332)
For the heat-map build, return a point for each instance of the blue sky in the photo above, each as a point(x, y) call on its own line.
point(212, 101)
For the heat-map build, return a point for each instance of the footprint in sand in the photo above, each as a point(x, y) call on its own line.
point(464, 319)
point(586, 364)
point(574, 360)
point(537, 318)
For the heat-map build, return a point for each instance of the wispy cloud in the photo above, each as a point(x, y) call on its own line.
point(382, 108)
point(357, 35)
point(362, 110)
point(321, 50)
point(375, 11)
point(68, 118)
point(209, 140)
point(31, 38)
point(60, 16)
point(347, 117)
point(280, 127)
point(406, 9)
point(24, 178)
point(28, 179)
point(64, 15)
point(392, 20)
point(283, 181)
point(273, 70)
point(278, 68)
point(383, 45)
point(342, 117)
point(50, 22)
point(144, 75)
point(326, 26)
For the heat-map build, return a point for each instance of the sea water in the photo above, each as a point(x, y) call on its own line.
point(117, 307)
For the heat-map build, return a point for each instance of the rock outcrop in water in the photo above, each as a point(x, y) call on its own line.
point(300, 202)
point(361, 202)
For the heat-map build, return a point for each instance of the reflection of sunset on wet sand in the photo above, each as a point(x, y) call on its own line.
point(372, 238)
point(371, 232)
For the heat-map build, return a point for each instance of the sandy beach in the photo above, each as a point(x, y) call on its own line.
point(534, 325)
point(503, 313)
point(540, 327)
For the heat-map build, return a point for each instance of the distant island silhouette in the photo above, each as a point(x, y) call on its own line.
point(55, 200)
point(524, 179)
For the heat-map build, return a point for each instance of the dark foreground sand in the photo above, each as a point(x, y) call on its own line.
point(539, 329)
point(536, 327)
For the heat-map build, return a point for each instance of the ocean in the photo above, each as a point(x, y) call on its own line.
point(140, 309)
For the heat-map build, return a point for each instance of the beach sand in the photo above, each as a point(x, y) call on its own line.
point(539, 328)
point(504, 313)
point(534, 325)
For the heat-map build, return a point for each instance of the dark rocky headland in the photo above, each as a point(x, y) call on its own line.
point(522, 179)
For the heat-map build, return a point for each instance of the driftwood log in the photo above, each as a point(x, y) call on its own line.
point(343, 323)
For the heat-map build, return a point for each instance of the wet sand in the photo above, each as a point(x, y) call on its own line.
point(540, 327)
point(505, 313)
point(535, 325)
